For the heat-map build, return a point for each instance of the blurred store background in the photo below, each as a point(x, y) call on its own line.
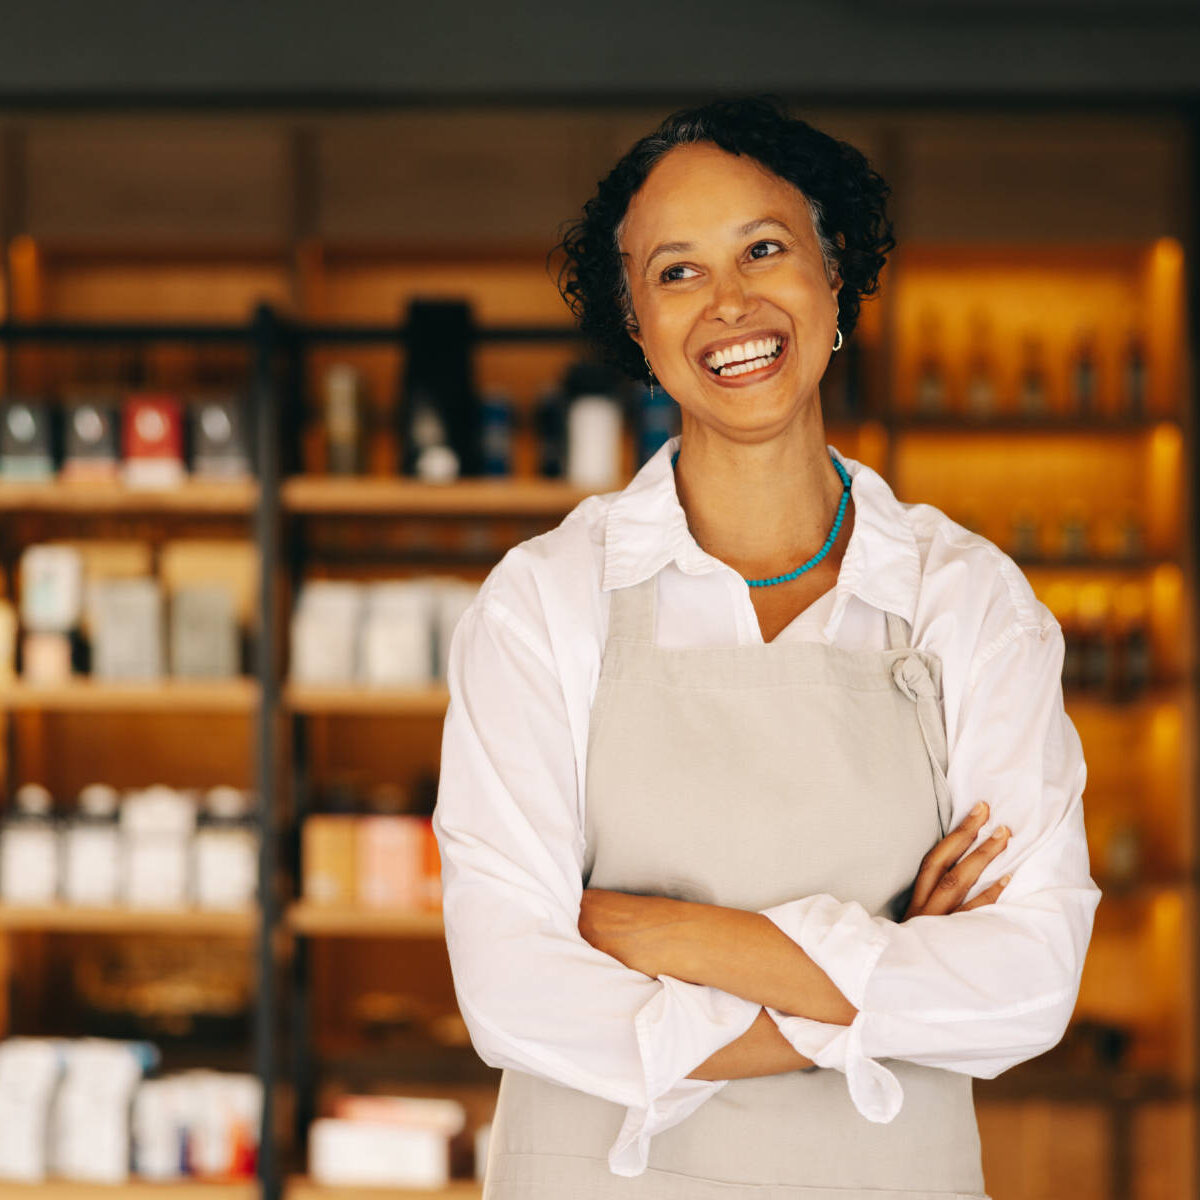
point(283, 373)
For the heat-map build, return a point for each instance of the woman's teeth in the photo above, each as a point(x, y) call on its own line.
point(749, 356)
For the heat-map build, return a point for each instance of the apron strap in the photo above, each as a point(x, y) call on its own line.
point(631, 611)
point(912, 676)
point(898, 634)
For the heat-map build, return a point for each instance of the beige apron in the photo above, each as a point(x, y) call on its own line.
point(747, 776)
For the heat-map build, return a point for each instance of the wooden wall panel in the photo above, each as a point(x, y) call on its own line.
point(448, 184)
point(1038, 178)
point(1036, 1150)
point(163, 179)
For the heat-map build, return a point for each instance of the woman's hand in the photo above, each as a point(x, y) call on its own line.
point(948, 873)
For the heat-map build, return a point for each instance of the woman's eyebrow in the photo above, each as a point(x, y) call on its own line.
point(743, 231)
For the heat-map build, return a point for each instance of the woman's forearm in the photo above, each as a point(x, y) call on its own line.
point(740, 952)
point(761, 1050)
point(746, 954)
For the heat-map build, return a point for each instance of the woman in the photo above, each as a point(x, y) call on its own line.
point(723, 747)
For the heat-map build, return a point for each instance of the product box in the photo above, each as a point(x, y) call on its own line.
point(220, 442)
point(127, 633)
point(385, 1141)
point(92, 439)
point(157, 826)
point(29, 1072)
point(152, 441)
point(329, 854)
point(204, 633)
point(391, 860)
point(26, 441)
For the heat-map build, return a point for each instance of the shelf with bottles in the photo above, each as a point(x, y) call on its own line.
point(1087, 333)
point(1063, 497)
point(157, 859)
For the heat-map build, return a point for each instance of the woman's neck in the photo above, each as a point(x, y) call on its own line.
point(762, 507)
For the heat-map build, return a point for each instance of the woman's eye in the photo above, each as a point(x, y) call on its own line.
point(675, 273)
point(765, 249)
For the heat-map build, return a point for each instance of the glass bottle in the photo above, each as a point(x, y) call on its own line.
point(981, 383)
point(1031, 400)
point(92, 849)
point(1134, 378)
point(930, 400)
point(29, 848)
point(1083, 377)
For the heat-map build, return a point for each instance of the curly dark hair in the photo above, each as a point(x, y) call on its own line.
point(846, 198)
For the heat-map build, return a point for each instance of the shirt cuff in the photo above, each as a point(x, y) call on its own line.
point(846, 943)
point(677, 1029)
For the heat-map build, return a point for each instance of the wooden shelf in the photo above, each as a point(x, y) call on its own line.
point(350, 699)
point(193, 497)
point(66, 918)
point(166, 695)
point(907, 423)
point(300, 1188)
point(183, 1189)
point(318, 920)
point(387, 496)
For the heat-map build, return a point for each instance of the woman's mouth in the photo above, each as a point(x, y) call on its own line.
point(746, 358)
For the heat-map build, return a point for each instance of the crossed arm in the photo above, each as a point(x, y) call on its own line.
point(746, 954)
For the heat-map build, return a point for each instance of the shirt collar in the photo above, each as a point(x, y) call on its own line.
point(647, 529)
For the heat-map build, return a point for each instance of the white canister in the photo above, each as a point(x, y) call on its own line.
point(594, 428)
point(397, 640)
point(325, 632)
point(92, 849)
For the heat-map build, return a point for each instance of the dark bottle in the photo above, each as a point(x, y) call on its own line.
point(550, 426)
point(440, 429)
point(1083, 378)
point(1133, 399)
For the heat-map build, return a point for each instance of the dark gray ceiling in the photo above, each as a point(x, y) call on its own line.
point(380, 49)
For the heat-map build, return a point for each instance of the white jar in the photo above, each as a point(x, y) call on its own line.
point(594, 427)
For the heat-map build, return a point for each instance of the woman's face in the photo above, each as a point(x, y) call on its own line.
point(732, 303)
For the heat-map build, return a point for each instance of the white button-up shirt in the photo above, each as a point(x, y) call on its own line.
point(974, 992)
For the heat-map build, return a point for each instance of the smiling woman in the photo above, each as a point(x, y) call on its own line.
point(721, 748)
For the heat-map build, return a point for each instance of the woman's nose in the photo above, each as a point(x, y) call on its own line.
point(729, 301)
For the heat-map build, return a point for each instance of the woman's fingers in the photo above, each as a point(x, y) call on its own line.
point(955, 883)
point(989, 895)
point(944, 855)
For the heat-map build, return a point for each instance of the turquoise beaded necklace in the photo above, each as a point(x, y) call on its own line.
point(824, 550)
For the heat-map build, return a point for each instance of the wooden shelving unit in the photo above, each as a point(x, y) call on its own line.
point(300, 1188)
point(192, 497)
point(350, 921)
point(63, 918)
point(167, 695)
point(328, 701)
point(406, 497)
point(338, 259)
point(134, 1189)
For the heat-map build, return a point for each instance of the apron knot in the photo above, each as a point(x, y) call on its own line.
point(912, 677)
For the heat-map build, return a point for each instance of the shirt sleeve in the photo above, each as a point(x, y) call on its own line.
point(535, 996)
point(979, 991)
